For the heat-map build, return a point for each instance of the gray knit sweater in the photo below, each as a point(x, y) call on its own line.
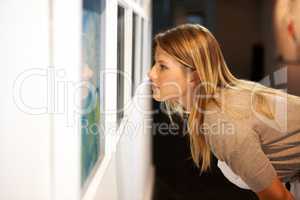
point(255, 147)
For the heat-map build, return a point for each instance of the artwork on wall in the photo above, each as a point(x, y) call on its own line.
point(134, 54)
point(120, 63)
point(142, 50)
point(90, 117)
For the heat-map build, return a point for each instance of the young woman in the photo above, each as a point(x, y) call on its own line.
point(253, 130)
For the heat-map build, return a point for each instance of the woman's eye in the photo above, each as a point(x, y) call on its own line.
point(163, 67)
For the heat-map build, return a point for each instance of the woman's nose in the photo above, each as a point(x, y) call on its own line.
point(151, 73)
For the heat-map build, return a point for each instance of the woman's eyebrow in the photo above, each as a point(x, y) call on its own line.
point(162, 61)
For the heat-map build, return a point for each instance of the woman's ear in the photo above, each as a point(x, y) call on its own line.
point(194, 78)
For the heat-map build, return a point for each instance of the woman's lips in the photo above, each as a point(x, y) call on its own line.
point(154, 86)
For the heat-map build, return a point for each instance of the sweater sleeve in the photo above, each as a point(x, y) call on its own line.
point(238, 145)
point(251, 164)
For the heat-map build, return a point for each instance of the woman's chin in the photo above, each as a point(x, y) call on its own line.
point(160, 98)
point(156, 97)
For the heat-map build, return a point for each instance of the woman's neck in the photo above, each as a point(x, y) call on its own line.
point(187, 102)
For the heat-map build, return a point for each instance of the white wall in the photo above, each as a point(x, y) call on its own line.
point(133, 150)
point(130, 153)
point(24, 138)
point(40, 153)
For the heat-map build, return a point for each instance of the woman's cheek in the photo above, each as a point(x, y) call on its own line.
point(170, 92)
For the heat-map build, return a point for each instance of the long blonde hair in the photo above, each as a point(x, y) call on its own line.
point(195, 47)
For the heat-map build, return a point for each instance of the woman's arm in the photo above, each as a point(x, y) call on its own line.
point(276, 191)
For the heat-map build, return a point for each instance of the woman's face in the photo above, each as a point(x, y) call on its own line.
point(170, 79)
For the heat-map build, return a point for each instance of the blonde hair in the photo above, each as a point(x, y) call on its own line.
point(195, 47)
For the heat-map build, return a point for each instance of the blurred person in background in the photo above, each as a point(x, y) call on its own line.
point(287, 30)
point(287, 36)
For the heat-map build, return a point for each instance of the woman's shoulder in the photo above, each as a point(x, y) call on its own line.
point(230, 103)
point(239, 103)
point(228, 125)
point(237, 117)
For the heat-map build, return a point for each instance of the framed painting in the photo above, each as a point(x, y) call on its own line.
point(91, 133)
